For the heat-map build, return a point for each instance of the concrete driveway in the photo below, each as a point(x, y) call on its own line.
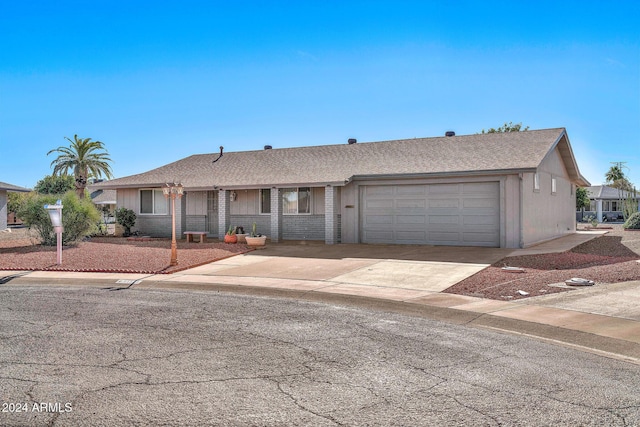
point(346, 267)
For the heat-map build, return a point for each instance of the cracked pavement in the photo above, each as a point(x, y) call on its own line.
point(173, 357)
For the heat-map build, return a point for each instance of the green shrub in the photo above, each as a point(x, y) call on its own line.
point(79, 217)
point(633, 222)
point(126, 218)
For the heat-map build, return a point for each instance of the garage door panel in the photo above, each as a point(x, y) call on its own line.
point(381, 236)
point(411, 235)
point(442, 214)
point(379, 204)
point(434, 189)
point(380, 190)
point(474, 188)
point(444, 219)
point(411, 204)
point(445, 238)
point(379, 219)
point(473, 203)
point(444, 203)
point(410, 190)
point(411, 219)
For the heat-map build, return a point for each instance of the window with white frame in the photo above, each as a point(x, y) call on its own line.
point(536, 182)
point(610, 206)
point(153, 202)
point(265, 201)
point(554, 185)
point(296, 201)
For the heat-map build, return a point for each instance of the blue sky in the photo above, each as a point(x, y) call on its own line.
point(159, 81)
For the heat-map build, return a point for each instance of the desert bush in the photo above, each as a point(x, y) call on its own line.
point(633, 222)
point(79, 217)
point(126, 218)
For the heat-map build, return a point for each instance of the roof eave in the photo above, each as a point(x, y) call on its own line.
point(492, 172)
point(568, 158)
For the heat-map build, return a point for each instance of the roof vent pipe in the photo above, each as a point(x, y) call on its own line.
point(352, 141)
point(268, 147)
point(449, 133)
point(221, 148)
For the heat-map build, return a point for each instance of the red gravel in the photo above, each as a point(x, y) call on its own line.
point(18, 251)
point(607, 259)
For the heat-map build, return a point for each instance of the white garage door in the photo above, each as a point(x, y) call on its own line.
point(465, 214)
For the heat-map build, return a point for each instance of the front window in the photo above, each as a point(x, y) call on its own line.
point(265, 201)
point(614, 206)
point(296, 200)
point(153, 202)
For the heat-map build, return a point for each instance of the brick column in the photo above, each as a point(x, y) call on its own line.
point(330, 215)
point(181, 216)
point(276, 215)
point(224, 213)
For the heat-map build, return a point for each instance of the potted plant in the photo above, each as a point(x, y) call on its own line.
point(231, 237)
point(240, 234)
point(255, 239)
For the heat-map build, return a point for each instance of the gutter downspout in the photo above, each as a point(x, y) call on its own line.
point(521, 213)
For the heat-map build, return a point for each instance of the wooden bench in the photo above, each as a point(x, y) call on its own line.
point(190, 234)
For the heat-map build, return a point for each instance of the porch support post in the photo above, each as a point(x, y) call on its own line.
point(599, 210)
point(224, 213)
point(276, 215)
point(181, 216)
point(330, 215)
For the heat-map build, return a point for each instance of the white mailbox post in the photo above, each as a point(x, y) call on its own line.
point(55, 213)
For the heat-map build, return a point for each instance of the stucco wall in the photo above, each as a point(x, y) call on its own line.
point(547, 215)
point(510, 212)
point(3, 209)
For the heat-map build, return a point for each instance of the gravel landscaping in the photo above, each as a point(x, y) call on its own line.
point(19, 250)
point(610, 258)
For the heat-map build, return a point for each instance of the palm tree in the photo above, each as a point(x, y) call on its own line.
point(614, 174)
point(84, 157)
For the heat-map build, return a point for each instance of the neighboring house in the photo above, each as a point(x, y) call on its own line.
point(499, 190)
point(105, 200)
point(606, 203)
point(4, 189)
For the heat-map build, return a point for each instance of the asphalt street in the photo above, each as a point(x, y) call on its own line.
point(73, 356)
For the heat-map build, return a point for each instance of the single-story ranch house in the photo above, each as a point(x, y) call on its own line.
point(4, 189)
point(506, 190)
point(606, 203)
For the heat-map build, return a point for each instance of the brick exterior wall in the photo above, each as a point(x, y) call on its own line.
point(331, 215)
point(224, 213)
point(196, 223)
point(263, 223)
point(276, 215)
point(154, 225)
point(303, 227)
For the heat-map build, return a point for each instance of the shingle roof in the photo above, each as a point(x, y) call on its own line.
point(11, 187)
point(102, 197)
point(336, 164)
point(605, 192)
